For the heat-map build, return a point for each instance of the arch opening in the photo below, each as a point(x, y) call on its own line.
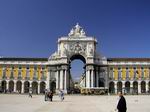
point(34, 87)
point(4, 86)
point(111, 87)
point(18, 86)
point(76, 73)
point(143, 87)
point(11, 86)
point(42, 87)
point(53, 86)
point(127, 87)
point(148, 87)
point(26, 86)
point(119, 86)
point(135, 87)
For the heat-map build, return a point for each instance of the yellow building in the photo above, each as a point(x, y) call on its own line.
point(130, 75)
point(20, 74)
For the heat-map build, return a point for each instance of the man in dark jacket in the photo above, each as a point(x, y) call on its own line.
point(122, 103)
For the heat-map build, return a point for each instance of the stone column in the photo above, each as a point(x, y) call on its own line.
point(88, 79)
point(97, 77)
point(123, 87)
point(7, 85)
point(38, 87)
point(92, 79)
point(131, 87)
point(47, 80)
point(115, 87)
point(65, 83)
point(22, 88)
point(15, 86)
point(31, 86)
point(139, 87)
point(61, 79)
point(57, 80)
point(147, 87)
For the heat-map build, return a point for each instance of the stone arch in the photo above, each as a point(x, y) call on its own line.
point(4, 83)
point(26, 86)
point(143, 87)
point(127, 87)
point(35, 87)
point(77, 56)
point(18, 86)
point(135, 87)
point(11, 86)
point(119, 86)
point(42, 87)
point(76, 46)
point(112, 87)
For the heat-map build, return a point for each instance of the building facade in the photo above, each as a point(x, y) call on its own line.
point(130, 75)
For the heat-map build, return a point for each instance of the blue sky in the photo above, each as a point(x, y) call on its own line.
point(30, 28)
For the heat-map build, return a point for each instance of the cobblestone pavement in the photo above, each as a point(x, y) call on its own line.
point(73, 103)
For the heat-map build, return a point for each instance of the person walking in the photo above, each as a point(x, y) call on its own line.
point(30, 92)
point(51, 96)
point(46, 94)
point(61, 95)
point(121, 107)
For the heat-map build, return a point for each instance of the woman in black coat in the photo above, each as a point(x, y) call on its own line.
point(122, 103)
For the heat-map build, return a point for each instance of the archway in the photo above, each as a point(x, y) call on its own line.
point(42, 87)
point(4, 86)
point(19, 86)
point(53, 86)
point(34, 87)
point(143, 87)
point(119, 86)
point(77, 72)
point(127, 87)
point(26, 86)
point(135, 87)
point(111, 87)
point(101, 83)
point(11, 86)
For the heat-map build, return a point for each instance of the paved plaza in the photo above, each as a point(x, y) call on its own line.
point(73, 103)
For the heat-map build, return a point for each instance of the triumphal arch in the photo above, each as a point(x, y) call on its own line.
point(77, 45)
